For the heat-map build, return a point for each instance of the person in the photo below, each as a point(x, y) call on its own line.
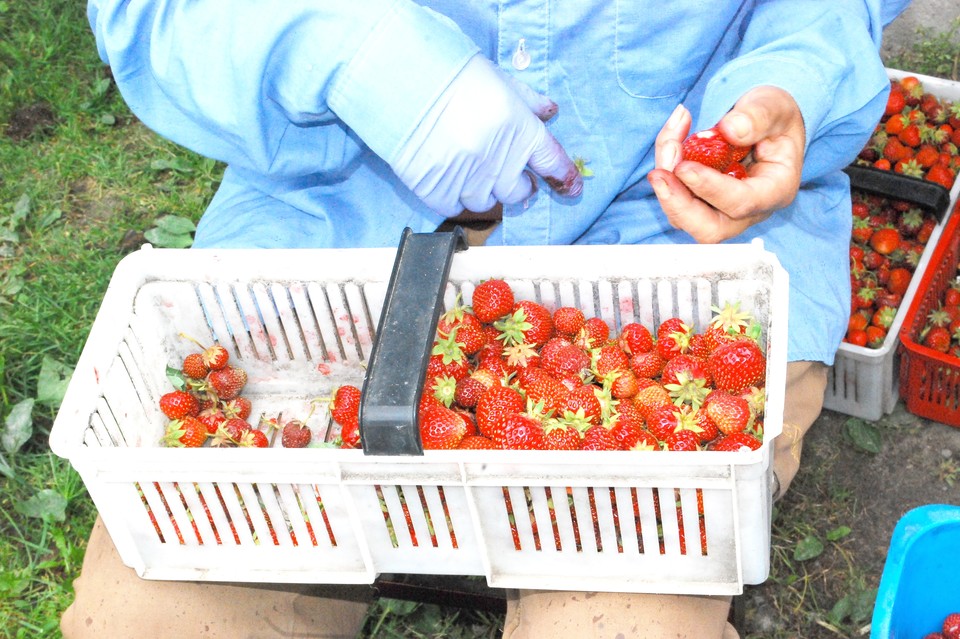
point(343, 123)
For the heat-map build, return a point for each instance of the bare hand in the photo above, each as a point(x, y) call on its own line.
point(713, 207)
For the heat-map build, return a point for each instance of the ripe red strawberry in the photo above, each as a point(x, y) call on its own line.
point(231, 432)
point(476, 442)
point(470, 388)
point(648, 364)
point(731, 413)
point(227, 382)
point(937, 338)
point(492, 299)
point(493, 408)
point(178, 404)
point(736, 441)
point(521, 431)
point(350, 435)
point(583, 401)
point(212, 418)
point(447, 359)
point(896, 101)
point(559, 435)
point(941, 175)
point(530, 323)
point(885, 240)
point(663, 420)
point(608, 359)
point(623, 384)
point(295, 434)
point(599, 437)
point(237, 407)
point(194, 367)
point(595, 333)
point(673, 337)
point(951, 626)
point(188, 432)
point(651, 397)
point(564, 359)
point(469, 331)
point(345, 407)
point(215, 357)
point(737, 364)
point(254, 438)
point(682, 440)
point(568, 321)
point(635, 338)
point(540, 386)
point(708, 147)
point(441, 428)
point(736, 170)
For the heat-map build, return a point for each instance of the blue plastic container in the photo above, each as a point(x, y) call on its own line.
point(920, 584)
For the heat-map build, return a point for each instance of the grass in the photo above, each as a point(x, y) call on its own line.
point(81, 182)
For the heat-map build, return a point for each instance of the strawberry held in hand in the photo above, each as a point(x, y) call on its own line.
point(711, 148)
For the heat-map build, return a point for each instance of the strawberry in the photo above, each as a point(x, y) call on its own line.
point(350, 435)
point(188, 432)
point(568, 321)
point(212, 418)
point(736, 441)
point(492, 299)
point(731, 413)
point(583, 401)
point(254, 438)
point(194, 367)
point(237, 407)
point(648, 364)
point(608, 359)
point(737, 364)
point(736, 170)
point(951, 626)
point(650, 398)
point(476, 442)
point(623, 384)
point(178, 404)
point(521, 431)
point(441, 428)
point(941, 175)
point(493, 408)
point(682, 440)
point(529, 323)
point(937, 338)
point(635, 338)
point(540, 386)
point(558, 434)
point(709, 148)
point(663, 420)
point(227, 382)
point(594, 333)
point(673, 337)
point(231, 432)
point(896, 101)
point(295, 434)
point(470, 388)
point(885, 240)
point(599, 437)
point(345, 406)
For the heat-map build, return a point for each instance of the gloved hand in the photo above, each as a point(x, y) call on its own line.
point(474, 147)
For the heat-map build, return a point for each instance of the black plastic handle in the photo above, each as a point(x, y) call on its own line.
point(924, 193)
point(398, 359)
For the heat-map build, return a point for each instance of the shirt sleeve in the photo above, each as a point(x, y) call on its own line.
point(232, 84)
point(824, 53)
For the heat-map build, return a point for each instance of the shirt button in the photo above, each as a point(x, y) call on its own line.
point(521, 59)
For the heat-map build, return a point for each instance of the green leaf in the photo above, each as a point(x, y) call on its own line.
point(53, 381)
point(863, 435)
point(163, 239)
point(18, 426)
point(840, 611)
point(21, 209)
point(170, 165)
point(175, 376)
point(50, 218)
point(5, 468)
point(808, 548)
point(175, 224)
point(45, 504)
point(838, 533)
point(108, 119)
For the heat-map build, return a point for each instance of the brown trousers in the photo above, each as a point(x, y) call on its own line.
point(112, 601)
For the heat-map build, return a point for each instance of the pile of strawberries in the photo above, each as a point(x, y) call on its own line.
point(918, 135)
point(889, 237)
point(206, 407)
point(509, 374)
point(941, 330)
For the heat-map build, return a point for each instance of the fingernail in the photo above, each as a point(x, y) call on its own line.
point(740, 124)
point(670, 156)
point(674, 120)
point(661, 189)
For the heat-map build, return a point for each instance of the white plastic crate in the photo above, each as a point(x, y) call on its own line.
point(301, 322)
point(864, 382)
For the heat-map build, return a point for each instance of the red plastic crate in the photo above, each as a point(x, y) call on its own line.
point(930, 380)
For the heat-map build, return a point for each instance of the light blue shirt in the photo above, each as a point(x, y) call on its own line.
point(277, 90)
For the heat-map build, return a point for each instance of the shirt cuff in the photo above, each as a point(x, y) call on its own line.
point(405, 63)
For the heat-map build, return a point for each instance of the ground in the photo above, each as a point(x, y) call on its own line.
point(840, 484)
